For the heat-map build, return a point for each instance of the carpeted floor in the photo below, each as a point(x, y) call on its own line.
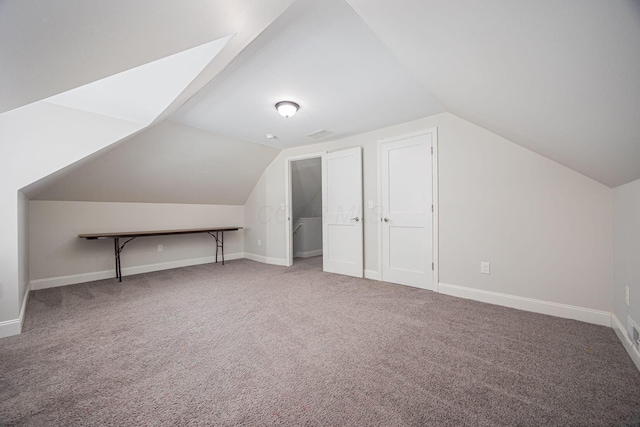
point(253, 344)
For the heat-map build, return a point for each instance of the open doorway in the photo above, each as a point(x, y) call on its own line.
point(304, 225)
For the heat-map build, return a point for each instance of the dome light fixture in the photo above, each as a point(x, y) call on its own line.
point(287, 108)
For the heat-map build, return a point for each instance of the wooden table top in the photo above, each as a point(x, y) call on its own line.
point(113, 235)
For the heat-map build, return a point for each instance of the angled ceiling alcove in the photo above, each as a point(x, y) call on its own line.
point(140, 94)
point(166, 163)
point(50, 47)
point(54, 133)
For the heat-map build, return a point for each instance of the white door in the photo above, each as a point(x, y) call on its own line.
point(406, 207)
point(342, 242)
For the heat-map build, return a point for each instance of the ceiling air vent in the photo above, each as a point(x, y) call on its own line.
point(319, 134)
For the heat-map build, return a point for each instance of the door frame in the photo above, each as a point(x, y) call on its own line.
point(288, 202)
point(434, 197)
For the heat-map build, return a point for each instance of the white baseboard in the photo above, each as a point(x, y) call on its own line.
point(53, 282)
point(10, 327)
point(277, 261)
point(266, 260)
point(621, 332)
point(529, 304)
point(254, 257)
point(308, 254)
point(372, 274)
point(14, 326)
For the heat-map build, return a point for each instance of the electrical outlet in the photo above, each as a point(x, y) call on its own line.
point(259, 242)
point(282, 206)
point(626, 295)
point(160, 248)
point(485, 267)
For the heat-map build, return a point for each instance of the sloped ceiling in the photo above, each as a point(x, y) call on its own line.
point(42, 139)
point(48, 47)
point(140, 94)
point(321, 55)
point(46, 135)
point(559, 78)
point(168, 163)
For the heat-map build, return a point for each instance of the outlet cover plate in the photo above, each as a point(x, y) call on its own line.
point(485, 267)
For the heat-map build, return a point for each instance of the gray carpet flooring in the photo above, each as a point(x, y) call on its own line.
point(253, 344)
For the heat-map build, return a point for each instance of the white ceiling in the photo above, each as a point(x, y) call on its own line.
point(561, 78)
point(167, 163)
point(141, 93)
point(48, 47)
point(321, 55)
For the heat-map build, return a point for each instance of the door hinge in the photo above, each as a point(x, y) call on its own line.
point(432, 150)
point(431, 208)
point(432, 267)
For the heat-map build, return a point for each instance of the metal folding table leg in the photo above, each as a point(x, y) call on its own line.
point(222, 245)
point(116, 245)
point(219, 236)
point(118, 249)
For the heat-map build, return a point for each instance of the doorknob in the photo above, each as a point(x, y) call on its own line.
point(356, 219)
point(387, 220)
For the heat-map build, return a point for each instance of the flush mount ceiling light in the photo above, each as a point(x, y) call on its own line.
point(287, 108)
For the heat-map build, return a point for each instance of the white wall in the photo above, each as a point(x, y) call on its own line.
point(56, 251)
point(256, 216)
point(545, 229)
point(626, 238)
point(23, 245)
point(38, 140)
point(9, 268)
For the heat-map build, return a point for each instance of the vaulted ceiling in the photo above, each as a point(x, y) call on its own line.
point(320, 54)
point(559, 78)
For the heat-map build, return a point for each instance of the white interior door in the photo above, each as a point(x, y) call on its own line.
point(406, 199)
point(342, 242)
